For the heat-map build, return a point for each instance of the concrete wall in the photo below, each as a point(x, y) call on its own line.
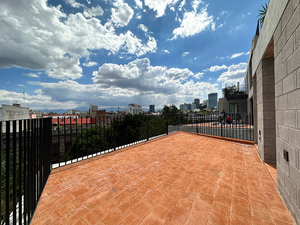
point(275, 9)
point(10, 112)
point(266, 110)
point(287, 99)
point(224, 105)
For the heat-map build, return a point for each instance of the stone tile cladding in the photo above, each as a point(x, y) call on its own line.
point(287, 104)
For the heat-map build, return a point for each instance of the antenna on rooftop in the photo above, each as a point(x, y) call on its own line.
point(24, 97)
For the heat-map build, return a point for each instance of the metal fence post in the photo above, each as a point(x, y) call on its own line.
point(114, 126)
point(221, 129)
point(167, 126)
point(147, 124)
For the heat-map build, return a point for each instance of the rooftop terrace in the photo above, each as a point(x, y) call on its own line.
point(181, 178)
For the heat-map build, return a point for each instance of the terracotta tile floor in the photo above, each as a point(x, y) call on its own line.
point(179, 179)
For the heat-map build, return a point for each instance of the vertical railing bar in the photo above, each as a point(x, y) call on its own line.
point(114, 127)
point(235, 125)
point(104, 135)
point(96, 148)
point(35, 164)
point(65, 146)
point(14, 172)
point(58, 141)
point(107, 128)
point(232, 126)
point(30, 197)
point(71, 136)
point(41, 153)
point(92, 144)
point(100, 138)
point(81, 140)
point(37, 141)
point(28, 169)
point(76, 141)
point(1, 171)
point(25, 172)
point(37, 159)
point(7, 171)
point(87, 137)
point(86, 134)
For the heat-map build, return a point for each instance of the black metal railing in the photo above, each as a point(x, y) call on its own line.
point(25, 166)
point(30, 149)
point(232, 125)
point(82, 138)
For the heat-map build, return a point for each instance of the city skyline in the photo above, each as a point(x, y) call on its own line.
point(67, 54)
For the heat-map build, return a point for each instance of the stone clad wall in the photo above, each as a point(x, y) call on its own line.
point(287, 104)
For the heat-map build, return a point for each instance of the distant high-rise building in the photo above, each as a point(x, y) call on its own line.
point(93, 108)
point(197, 102)
point(212, 100)
point(204, 102)
point(151, 108)
point(134, 109)
point(193, 106)
point(185, 107)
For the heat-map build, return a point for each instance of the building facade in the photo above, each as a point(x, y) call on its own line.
point(134, 109)
point(13, 112)
point(212, 100)
point(185, 106)
point(93, 108)
point(197, 102)
point(234, 101)
point(151, 108)
point(193, 106)
point(273, 87)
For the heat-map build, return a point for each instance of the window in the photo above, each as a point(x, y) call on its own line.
point(233, 108)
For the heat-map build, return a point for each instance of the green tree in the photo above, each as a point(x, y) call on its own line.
point(4, 168)
point(121, 131)
point(172, 115)
point(170, 110)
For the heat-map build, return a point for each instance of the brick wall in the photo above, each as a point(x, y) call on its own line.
point(287, 104)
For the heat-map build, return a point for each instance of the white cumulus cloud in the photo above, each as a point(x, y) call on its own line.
point(74, 4)
point(138, 81)
point(185, 53)
point(181, 5)
point(89, 64)
point(235, 73)
point(217, 68)
point(143, 27)
point(195, 4)
point(238, 55)
point(39, 36)
point(122, 14)
point(194, 23)
point(139, 3)
point(198, 75)
point(31, 75)
point(94, 11)
point(160, 5)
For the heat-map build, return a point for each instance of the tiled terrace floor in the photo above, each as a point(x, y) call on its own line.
point(179, 179)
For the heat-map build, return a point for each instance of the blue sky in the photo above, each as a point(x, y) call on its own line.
point(68, 54)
